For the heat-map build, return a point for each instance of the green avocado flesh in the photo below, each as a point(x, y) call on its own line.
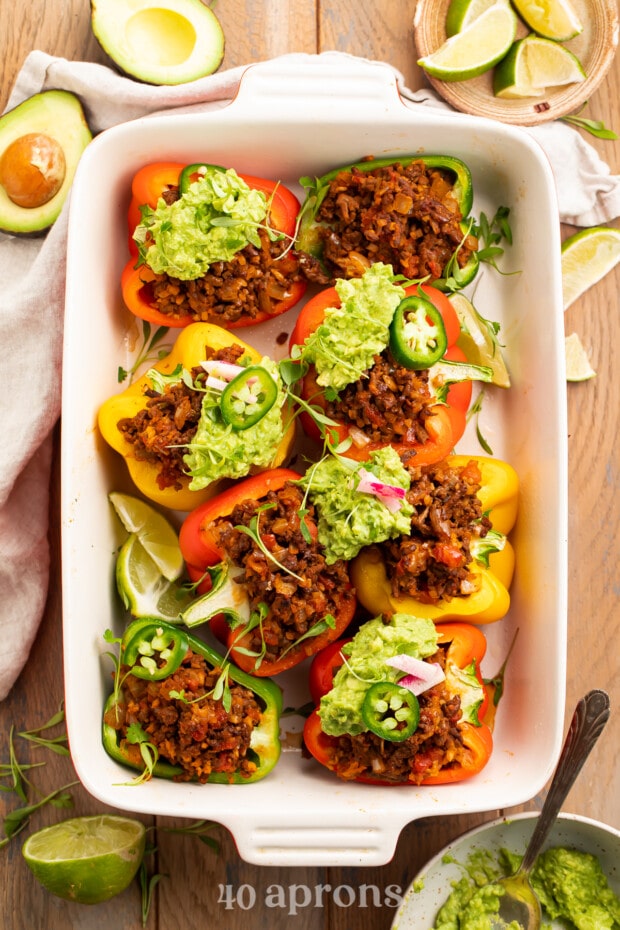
point(159, 43)
point(59, 115)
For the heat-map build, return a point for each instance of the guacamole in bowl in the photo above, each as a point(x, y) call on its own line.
point(445, 895)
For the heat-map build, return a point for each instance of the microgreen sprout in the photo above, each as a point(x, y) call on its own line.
point(146, 352)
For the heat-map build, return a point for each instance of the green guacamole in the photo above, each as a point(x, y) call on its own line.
point(570, 884)
point(219, 451)
point(350, 519)
point(376, 641)
point(343, 347)
point(216, 218)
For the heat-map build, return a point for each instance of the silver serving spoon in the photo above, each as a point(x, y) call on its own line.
point(519, 901)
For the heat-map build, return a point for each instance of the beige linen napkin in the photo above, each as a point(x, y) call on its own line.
point(32, 273)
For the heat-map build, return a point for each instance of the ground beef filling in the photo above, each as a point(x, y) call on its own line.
point(200, 736)
point(162, 430)
point(432, 564)
point(251, 283)
point(299, 595)
point(436, 744)
point(406, 217)
point(390, 403)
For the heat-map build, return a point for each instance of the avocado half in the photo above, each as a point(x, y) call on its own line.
point(159, 41)
point(53, 119)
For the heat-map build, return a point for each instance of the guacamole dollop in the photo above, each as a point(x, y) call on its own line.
point(570, 884)
point(375, 641)
point(350, 519)
point(343, 347)
point(213, 220)
point(219, 451)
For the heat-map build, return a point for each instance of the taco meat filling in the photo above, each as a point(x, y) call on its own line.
point(432, 564)
point(407, 217)
point(162, 430)
point(389, 404)
point(436, 744)
point(252, 282)
point(200, 736)
point(298, 595)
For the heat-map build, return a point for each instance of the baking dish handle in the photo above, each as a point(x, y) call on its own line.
point(316, 85)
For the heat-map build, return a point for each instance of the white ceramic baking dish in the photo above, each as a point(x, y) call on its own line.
point(288, 121)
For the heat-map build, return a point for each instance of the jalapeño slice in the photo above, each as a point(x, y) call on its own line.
point(390, 711)
point(418, 336)
point(248, 397)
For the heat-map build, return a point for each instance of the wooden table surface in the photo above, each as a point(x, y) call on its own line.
point(188, 893)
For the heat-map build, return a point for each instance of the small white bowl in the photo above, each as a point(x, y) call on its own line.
point(434, 882)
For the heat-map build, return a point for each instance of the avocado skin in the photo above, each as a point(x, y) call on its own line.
point(56, 113)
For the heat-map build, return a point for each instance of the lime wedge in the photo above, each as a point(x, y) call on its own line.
point(532, 65)
point(144, 590)
point(475, 49)
point(478, 340)
point(578, 367)
point(462, 13)
point(586, 258)
point(552, 19)
point(86, 859)
point(156, 534)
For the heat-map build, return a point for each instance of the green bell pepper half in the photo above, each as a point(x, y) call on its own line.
point(317, 188)
point(265, 745)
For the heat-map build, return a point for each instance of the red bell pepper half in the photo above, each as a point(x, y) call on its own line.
point(200, 551)
point(466, 643)
point(148, 185)
point(447, 424)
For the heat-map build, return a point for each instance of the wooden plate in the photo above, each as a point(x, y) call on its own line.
point(594, 47)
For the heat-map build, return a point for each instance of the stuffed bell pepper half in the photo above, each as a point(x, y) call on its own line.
point(454, 561)
point(380, 364)
point(212, 409)
point(268, 590)
point(179, 710)
point(209, 245)
point(411, 213)
point(401, 703)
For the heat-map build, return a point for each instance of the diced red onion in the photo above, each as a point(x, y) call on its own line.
point(225, 370)
point(216, 383)
point(390, 495)
point(420, 675)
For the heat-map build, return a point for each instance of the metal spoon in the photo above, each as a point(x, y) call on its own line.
point(519, 901)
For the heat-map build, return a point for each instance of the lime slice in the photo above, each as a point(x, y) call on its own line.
point(534, 64)
point(552, 19)
point(475, 49)
point(144, 590)
point(578, 367)
point(586, 258)
point(478, 340)
point(87, 859)
point(156, 534)
point(462, 13)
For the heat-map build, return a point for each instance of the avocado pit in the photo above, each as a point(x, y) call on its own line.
point(32, 169)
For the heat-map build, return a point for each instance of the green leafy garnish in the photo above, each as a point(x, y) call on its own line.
point(145, 353)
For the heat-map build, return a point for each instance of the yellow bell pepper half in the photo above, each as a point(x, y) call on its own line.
point(499, 494)
point(189, 351)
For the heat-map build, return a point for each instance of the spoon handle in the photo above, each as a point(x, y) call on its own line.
point(590, 716)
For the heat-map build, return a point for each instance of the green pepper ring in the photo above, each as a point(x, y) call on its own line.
point(390, 711)
point(267, 388)
point(430, 347)
point(185, 178)
point(134, 643)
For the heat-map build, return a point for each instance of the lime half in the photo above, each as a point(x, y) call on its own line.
point(552, 19)
point(578, 367)
point(154, 531)
point(532, 65)
point(87, 859)
point(144, 590)
point(586, 258)
point(475, 49)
